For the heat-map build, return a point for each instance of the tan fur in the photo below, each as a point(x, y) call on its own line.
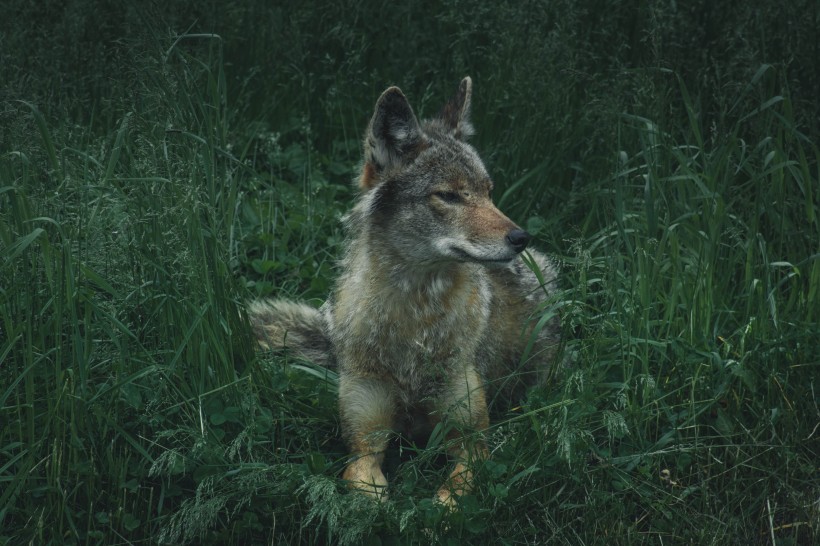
point(434, 308)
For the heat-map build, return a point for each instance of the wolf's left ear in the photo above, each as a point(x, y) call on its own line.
point(393, 137)
point(456, 113)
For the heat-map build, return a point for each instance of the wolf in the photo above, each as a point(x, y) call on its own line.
point(434, 309)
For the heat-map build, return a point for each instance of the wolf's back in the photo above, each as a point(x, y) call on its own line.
point(297, 327)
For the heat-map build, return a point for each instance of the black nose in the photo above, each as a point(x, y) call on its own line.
point(518, 239)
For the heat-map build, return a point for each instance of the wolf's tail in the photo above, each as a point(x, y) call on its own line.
point(299, 328)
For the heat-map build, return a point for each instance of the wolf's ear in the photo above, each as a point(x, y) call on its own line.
point(393, 136)
point(456, 113)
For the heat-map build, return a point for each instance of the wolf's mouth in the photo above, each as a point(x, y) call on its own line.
point(467, 257)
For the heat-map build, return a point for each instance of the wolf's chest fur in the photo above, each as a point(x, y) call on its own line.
point(416, 332)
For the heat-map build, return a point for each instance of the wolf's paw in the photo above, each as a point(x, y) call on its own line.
point(446, 498)
point(367, 479)
point(371, 490)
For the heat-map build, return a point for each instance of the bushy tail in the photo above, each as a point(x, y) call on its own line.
point(299, 328)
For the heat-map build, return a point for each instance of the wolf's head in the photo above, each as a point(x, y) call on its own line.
point(425, 192)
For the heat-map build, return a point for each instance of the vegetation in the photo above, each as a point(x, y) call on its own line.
point(161, 166)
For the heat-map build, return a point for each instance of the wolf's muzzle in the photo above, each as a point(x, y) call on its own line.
point(518, 239)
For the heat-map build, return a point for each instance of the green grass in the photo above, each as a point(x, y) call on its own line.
point(206, 159)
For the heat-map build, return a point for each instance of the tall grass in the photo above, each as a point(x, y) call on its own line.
point(120, 310)
point(135, 408)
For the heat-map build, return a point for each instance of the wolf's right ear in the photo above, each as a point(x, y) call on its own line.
point(456, 113)
point(393, 136)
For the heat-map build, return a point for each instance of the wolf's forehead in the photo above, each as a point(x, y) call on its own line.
point(456, 160)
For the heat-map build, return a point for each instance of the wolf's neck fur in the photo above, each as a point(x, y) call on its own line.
point(422, 282)
point(434, 281)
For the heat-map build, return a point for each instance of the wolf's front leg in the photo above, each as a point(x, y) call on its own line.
point(367, 406)
point(464, 402)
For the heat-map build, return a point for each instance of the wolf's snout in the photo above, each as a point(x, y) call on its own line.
point(518, 239)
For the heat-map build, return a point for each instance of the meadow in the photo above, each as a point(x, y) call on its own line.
point(162, 165)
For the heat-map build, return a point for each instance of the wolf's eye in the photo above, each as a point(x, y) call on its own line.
point(448, 196)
